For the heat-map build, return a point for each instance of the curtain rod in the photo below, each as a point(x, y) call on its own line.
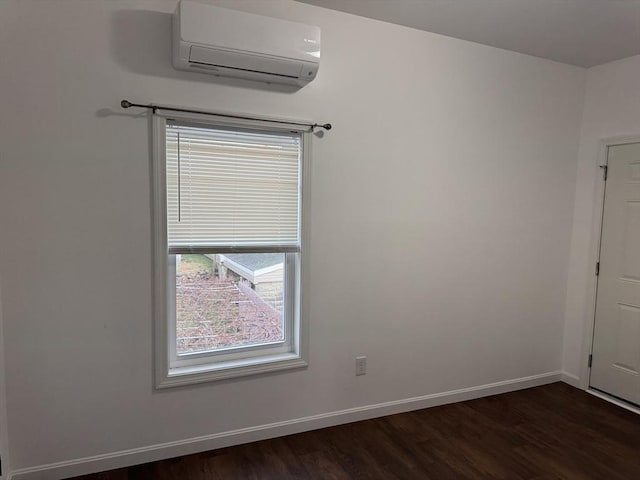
point(153, 107)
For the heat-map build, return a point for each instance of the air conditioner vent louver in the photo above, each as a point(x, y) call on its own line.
point(219, 69)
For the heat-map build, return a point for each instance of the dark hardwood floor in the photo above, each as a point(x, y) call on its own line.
point(552, 432)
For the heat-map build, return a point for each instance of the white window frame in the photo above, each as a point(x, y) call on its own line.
point(172, 370)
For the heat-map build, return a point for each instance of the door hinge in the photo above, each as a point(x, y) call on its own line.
point(605, 171)
point(590, 360)
point(597, 268)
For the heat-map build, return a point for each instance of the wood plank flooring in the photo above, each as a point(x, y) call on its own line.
point(553, 432)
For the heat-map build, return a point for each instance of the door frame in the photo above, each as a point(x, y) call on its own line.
point(594, 255)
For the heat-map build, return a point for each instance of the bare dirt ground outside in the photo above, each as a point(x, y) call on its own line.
point(213, 313)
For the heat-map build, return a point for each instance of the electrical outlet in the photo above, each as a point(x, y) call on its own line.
point(361, 365)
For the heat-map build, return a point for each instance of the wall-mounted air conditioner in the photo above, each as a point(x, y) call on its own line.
point(231, 43)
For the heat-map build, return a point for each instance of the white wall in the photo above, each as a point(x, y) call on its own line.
point(454, 161)
point(4, 434)
point(612, 103)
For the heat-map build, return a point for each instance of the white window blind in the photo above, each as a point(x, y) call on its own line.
point(232, 189)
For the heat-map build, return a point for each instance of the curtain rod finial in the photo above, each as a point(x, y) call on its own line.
point(125, 103)
point(327, 126)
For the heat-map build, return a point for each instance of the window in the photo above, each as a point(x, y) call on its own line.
point(228, 253)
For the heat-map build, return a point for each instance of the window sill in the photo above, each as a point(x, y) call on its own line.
point(210, 372)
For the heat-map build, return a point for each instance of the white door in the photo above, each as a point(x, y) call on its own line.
point(616, 341)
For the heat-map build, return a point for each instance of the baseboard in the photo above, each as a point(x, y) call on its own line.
point(571, 379)
point(125, 458)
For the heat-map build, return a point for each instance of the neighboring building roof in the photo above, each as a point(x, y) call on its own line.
point(256, 267)
point(256, 261)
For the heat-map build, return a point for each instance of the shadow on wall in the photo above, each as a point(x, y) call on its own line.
point(142, 44)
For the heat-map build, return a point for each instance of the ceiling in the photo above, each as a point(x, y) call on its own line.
point(578, 32)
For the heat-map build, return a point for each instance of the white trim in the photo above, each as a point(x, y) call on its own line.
point(594, 256)
point(570, 379)
point(161, 265)
point(301, 308)
point(613, 400)
point(181, 376)
point(124, 458)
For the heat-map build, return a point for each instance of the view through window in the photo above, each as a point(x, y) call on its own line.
point(229, 300)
